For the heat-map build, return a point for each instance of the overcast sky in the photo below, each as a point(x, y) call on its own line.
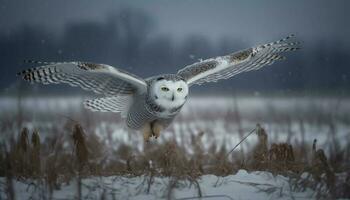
point(247, 20)
point(154, 36)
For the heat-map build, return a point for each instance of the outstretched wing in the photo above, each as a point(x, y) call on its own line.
point(117, 104)
point(99, 78)
point(224, 67)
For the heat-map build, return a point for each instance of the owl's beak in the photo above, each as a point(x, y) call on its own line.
point(172, 98)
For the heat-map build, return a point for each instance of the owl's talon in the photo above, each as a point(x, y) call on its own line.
point(147, 133)
point(156, 129)
point(155, 135)
point(146, 139)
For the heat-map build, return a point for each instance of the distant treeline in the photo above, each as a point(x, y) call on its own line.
point(129, 39)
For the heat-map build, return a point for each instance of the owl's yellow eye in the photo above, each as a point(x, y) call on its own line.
point(179, 89)
point(165, 89)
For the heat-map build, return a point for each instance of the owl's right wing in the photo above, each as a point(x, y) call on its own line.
point(99, 78)
point(224, 67)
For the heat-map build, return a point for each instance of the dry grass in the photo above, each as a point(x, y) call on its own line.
point(56, 161)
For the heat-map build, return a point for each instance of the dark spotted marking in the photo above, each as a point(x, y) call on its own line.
point(241, 55)
point(89, 66)
point(38, 74)
point(197, 68)
point(45, 73)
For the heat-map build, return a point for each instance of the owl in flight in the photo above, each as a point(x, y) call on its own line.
point(151, 104)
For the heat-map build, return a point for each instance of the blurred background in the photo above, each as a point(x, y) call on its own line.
point(154, 37)
point(302, 98)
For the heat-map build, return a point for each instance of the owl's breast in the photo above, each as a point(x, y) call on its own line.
point(162, 111)
point(169, 113)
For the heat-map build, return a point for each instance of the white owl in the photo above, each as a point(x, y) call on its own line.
point(151, 104)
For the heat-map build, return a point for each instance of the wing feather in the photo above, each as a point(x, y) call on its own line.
point(224, 67)
point(139, 114)
point(99, 78)
point(118, 104)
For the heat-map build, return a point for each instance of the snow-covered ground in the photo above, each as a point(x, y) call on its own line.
point(243, 185)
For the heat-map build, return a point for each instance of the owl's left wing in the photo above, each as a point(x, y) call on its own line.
point(224, 67)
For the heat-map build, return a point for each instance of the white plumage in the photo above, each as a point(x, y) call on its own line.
point(151, 104)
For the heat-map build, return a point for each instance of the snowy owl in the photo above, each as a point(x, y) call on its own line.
point(151, 104)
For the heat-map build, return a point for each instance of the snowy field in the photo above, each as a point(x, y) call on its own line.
point(243, 185)
point(221, 121)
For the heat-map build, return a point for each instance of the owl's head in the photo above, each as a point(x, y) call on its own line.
point(169, 92)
